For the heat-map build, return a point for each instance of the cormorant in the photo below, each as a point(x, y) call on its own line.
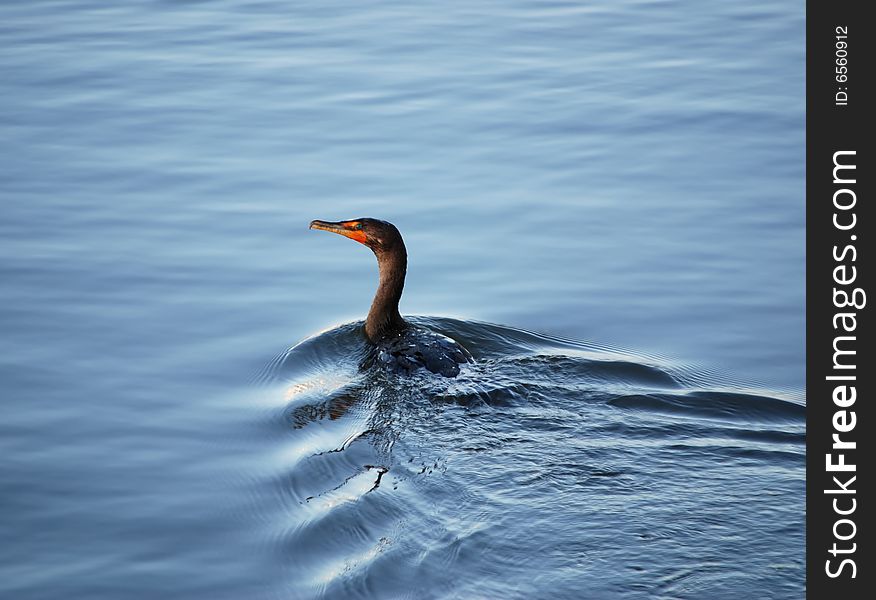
point(399, 345)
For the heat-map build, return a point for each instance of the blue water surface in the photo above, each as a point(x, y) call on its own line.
point(617, 184)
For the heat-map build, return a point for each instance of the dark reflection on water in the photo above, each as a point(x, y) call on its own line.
point(546, 468)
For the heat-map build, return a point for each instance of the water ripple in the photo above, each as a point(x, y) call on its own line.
point(380, 471)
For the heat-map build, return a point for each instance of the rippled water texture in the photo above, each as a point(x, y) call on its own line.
point(546, 469)
point(624, 178)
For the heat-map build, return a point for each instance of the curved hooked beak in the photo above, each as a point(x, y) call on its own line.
point(350, 229)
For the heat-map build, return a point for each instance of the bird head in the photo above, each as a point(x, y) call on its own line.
point(378, 235)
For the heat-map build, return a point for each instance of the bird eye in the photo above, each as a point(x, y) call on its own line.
point(358, 226)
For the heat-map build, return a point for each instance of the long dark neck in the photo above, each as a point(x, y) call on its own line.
point(384, 318)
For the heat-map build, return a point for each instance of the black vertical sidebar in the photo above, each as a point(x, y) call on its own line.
point(839, 333)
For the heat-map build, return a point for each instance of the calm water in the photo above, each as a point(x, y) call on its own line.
point(618, 184)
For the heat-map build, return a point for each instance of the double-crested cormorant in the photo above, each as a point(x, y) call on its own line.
point(399, 345)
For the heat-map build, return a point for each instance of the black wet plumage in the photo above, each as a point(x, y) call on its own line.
point(416, 348)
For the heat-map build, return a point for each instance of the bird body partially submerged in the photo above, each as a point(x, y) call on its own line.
point(398, 345)
point(416, 347)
